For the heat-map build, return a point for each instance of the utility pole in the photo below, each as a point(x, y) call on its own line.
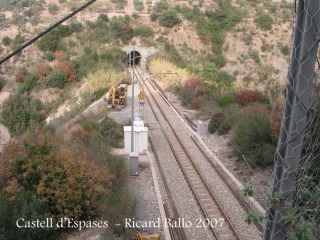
point(132, 112)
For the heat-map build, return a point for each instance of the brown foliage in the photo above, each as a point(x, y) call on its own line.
point(245, 96)
point(67, 69)
point(254, 108)
point(196, 103)
point(194, 84)
point(275, 119)
point(20, 77)
point(65, 179)
point(59, 54)
point(42, 70)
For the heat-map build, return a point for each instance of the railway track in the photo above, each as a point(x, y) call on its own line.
point(214, 215)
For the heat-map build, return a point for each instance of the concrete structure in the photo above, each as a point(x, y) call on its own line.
point(200, 128)
point(143, 52)
point(134, 164)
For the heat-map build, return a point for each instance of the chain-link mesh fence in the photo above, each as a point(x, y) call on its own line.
point(295, 188)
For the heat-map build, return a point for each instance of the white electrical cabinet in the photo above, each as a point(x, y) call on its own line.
point(140, 138)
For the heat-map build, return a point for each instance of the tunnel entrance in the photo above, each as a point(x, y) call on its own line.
point(134, 57)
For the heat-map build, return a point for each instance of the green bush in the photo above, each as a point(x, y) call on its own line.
point(6, 41)
point(52, 40)
point(138, 5)
point(154, 16)
point(264, 21)
point(29, 83)
point(53, 8)
point(16, 114)
point(216, 121)
point(28, 207)
point(143, 31)
point(226, 100)
point(56, 79)
point(252, 138)
point(49, 56)
point(220, 60)
point(256, 56)
point(169, 18)
point(285, 50)
point(210, 72)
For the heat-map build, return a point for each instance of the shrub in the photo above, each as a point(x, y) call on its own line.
point(29, 83)
point(6, 41)
point(143, 30)
point(17, 41)
point(264, 21)
point(154, 16)
point(256, 56)
point(53, 8)
point(62, 1)
point(63, 177)
point(226, 100)
point(42, 70)
point(56, 79)
point(120, 28)
point(52, 40)
point(18, 19)
point(196, 103)
point(20, 77)
point(2, 82)
point(193, 84)
point(210, 72)
point(26, 206)
point(226, 79)
point(15, 114)
point(59, 54)
point(220, 60)
point(67, 69)
point(254, 108)
point(49, 55)
point(245, 96)
point(216, 121)
point(138, 5)
point(285, 50)
point(251, 135)
point(169, 18)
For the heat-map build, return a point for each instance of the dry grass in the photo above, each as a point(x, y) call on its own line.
point(101, 79)
point(157, 66)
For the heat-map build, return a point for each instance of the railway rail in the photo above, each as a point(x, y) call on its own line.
point(207, 200)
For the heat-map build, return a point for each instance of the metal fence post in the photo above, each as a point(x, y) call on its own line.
point(288, 154)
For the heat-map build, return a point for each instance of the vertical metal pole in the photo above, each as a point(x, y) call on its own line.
point(288, 154)
point(132, 113)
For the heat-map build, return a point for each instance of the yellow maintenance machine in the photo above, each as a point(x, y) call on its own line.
point(118, 96)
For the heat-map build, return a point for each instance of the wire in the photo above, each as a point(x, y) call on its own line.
point(19, 49)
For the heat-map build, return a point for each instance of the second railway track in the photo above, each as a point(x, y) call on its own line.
point(215, 218)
